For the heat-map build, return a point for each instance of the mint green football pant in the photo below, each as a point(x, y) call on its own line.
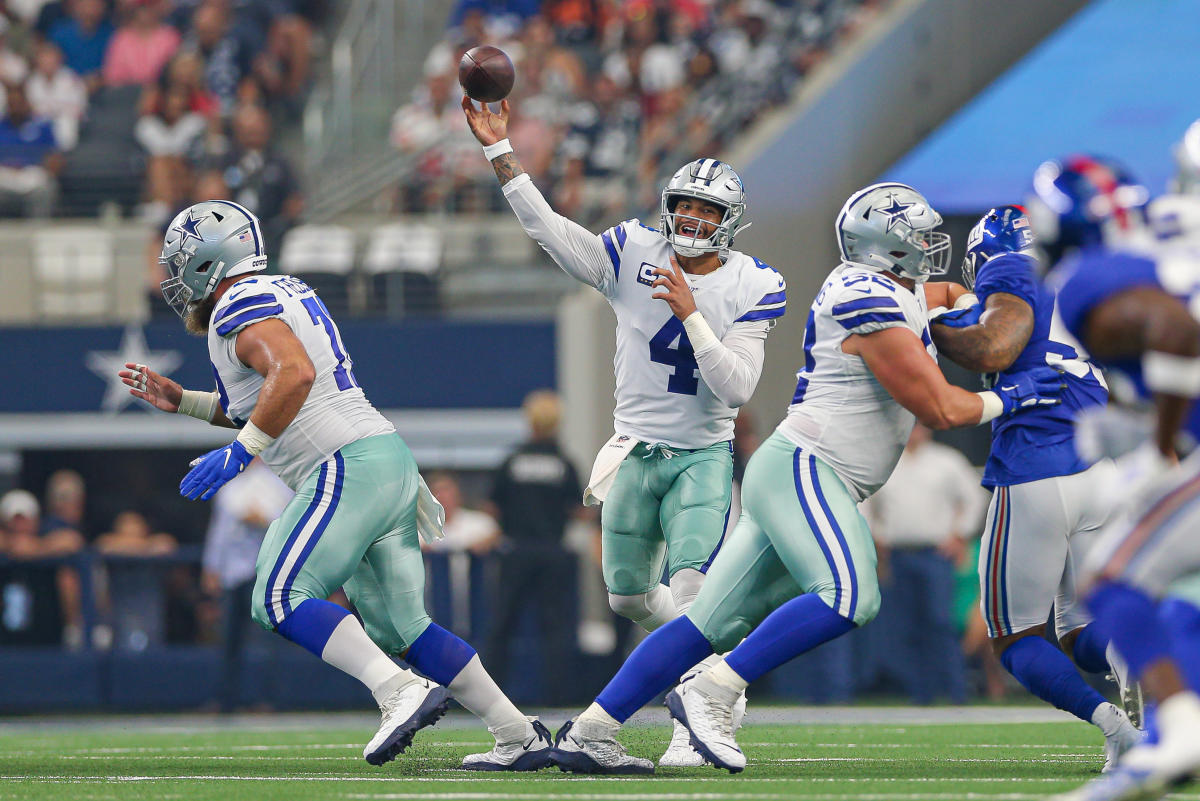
point(667, 508)
point(353, 524)
point(800, 532)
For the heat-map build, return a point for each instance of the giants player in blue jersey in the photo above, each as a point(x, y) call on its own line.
point(1135, 308)
point(1048, 505)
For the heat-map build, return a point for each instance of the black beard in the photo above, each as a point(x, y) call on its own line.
point(197, 314)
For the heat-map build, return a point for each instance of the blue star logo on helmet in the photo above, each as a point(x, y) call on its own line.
point(188, 228)
point(896, 212)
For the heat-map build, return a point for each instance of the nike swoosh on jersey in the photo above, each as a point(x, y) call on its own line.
point(233, 295)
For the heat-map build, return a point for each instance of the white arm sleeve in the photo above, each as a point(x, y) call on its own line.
point(579, 252)
point(732, 366)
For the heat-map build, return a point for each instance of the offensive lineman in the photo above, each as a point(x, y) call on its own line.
point(1048, 505)
point(684, 301)
point(285, 380)
point(799, 568)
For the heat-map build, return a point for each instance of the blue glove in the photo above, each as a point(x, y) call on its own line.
point(959, 318)
point(1040, 386)
point(212, 470)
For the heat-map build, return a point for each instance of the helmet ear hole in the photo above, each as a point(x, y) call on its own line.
point(203, 268)
point(897, 254)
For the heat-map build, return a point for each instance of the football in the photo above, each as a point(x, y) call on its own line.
point(486, 74)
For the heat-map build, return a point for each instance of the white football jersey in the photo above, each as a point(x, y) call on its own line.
point(840, 411)
point(334, 414)
point(660, 394)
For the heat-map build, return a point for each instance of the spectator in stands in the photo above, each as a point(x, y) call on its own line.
point(141, 47)
point(131, 535)
point(921, 520)
point(227, 56)
point(171, 137)
point(465, 529)
point(535, 494)
point(186, 72)
point(13, 66)
point(242, 511)
point(602, 133)
point(29, 159)
point(282, 66)
point(261, 179)
point(57, 94)
point(83, 37)
point(66, 498)
point(42, 604)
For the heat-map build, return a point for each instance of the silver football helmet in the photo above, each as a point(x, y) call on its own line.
point(205, 243)
point(712, 181)
point(1187, 162)
point(889, 228)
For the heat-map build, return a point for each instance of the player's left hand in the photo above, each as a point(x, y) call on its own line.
point(1041, 386)
point(677, 294)
point(213, 470)
point(957, 318)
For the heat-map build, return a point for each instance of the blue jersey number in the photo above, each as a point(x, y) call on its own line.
point(683, 381)
point(320, 316)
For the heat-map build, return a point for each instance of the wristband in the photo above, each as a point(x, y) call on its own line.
point(498, 149)
point(993, 407)
point(1171, 374)
point(254, 439)
point(201, 405)
point(699, 333)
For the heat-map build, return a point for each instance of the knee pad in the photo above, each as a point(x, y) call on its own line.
point(649, 610)
point(685, 586)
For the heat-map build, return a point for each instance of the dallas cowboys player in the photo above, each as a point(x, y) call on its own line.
point(799, 568)
point(685, 302)
point(1048, 505)
point(284, 378)
point(1136, 310)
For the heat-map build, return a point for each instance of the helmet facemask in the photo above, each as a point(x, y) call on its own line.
point(703, 181)
point(718, 240)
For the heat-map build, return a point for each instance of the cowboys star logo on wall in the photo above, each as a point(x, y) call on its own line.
point(189, 228)
point(896, 212)
point(133, 349)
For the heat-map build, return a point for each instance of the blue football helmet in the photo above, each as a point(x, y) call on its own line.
point(1084, 201)
point(1004, 229)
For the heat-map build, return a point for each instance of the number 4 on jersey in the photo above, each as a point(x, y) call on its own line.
point(662, 351)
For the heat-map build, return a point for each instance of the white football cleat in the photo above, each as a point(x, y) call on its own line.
point(680, 754)
point(1119, 733)
point(710, 720)
point(531, 752)
point(590, 747)
point(405, 712)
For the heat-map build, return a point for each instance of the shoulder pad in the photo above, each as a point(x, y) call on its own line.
point(248, 301)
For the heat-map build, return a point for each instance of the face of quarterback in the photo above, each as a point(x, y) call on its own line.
point(707, 216)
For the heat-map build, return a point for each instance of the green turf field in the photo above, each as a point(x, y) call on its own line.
point(821, 762)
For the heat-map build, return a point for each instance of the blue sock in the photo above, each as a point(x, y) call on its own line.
point(1182, 622)
point(439, 654)
point(798, 626)
point(1131, 619)
point(654, 666)
point(312, 623)
point(1089, 649)
point(1049, 674)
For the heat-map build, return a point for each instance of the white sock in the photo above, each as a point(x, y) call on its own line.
point(596, 714)
point(722, 675)
point(708, 663)
point(475, 690)
point(350, 650)
point(1178, 715)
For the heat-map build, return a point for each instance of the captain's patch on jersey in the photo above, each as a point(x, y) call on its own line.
point(646, 274)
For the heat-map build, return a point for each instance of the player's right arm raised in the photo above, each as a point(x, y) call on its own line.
point(901, 364)
point(579, 252)
point(163, 393)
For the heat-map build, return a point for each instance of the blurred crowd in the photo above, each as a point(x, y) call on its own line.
point(182, 93)
point(611, 96)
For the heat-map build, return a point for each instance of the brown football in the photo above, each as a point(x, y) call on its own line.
point(486, 74)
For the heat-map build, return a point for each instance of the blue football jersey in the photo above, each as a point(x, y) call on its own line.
point(1089, 277)
point(1039, 443)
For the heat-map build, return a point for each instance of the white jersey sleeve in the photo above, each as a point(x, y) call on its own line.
point(840, 411)
point(592, 259)
point(335, 413)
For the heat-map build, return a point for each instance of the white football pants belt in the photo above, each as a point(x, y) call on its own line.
point(604, 469)
point(431, 516)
